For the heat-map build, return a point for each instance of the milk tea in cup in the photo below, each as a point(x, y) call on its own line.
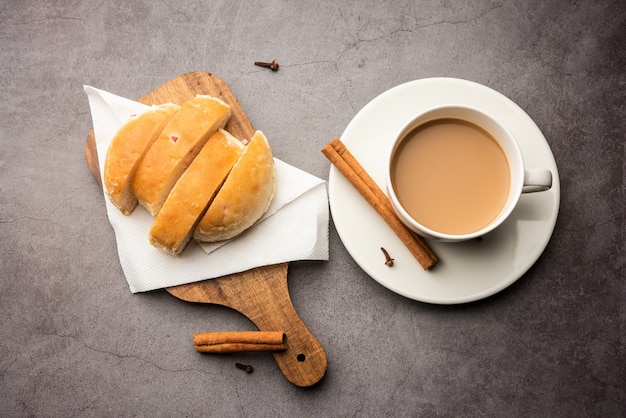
point(455, 173)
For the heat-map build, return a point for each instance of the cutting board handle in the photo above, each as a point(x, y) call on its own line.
point(262, 295)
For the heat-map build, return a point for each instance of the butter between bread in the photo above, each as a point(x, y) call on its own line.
point(196, 178)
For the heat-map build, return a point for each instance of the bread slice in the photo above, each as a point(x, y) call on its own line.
point(245, 195)
point(127, 149)
point(174, 225)
point(176, 147)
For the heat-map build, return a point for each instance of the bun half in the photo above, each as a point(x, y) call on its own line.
point(174, 225)
point(176, 147)
point(245, 195)
point(126, 151)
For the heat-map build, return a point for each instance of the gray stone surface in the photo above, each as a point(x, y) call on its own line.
point(75, 342)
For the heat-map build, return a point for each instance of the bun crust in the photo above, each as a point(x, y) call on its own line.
point(127, 149)
point(244, 197)
point(194, 191)
point(176, 147)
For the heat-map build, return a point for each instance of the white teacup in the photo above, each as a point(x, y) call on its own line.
point(520, 179)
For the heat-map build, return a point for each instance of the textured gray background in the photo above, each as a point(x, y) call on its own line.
point(75, 342)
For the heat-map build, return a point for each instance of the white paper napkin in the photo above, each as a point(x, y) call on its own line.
point(295, 226)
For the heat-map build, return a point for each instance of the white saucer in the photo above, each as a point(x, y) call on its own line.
point(467, 271)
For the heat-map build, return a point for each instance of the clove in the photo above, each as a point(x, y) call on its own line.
point(388, 259)
point(271, 65)
point(245, 367)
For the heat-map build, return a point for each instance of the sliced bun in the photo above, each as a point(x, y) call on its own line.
point(245, 195)
point(127, 149)
point(196, 178)
point(196, 188)
point(176, 147)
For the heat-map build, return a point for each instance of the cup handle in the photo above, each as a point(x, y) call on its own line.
point(537, 180)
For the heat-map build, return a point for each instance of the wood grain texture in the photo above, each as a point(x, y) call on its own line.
point(261, 294)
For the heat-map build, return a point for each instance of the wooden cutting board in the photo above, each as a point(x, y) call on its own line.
point(261, 294)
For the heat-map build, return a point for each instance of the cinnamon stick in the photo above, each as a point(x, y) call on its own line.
point(239, 341)
point(344, 161)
